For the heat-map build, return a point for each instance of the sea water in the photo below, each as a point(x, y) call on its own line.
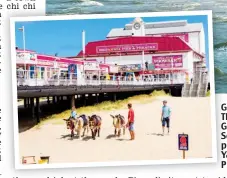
point(219, 8)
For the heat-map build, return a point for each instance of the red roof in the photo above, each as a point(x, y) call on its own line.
point(164, 44)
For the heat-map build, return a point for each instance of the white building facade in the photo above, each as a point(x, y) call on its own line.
point(191, 33)
point(163, 46)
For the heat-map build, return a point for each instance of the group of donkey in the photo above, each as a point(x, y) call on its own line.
point(94, 122)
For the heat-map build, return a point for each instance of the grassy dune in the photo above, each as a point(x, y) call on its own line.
point(208, 93)
point(104, 106)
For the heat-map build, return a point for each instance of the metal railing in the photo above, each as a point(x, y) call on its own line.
point(64, 79)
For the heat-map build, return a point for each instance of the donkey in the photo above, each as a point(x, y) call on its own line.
point(70, 124)
point(95, 123)
point(81, 123)
point(119, 123)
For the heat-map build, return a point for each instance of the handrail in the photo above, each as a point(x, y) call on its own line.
point(30, 78)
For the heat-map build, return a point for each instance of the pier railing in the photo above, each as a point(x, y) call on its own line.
point(23, 79)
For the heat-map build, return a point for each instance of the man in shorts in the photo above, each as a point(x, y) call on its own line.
point(165, 117)
point(130, 123)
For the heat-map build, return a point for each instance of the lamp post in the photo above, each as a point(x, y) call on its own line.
point(84, 52)
point(23, 32)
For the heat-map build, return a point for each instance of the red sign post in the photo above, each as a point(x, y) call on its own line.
point(183, 143)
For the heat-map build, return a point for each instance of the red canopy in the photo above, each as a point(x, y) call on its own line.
point(138, 44)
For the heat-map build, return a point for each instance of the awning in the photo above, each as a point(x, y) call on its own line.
point(31, 62)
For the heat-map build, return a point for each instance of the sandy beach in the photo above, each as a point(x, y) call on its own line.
point(189, 115)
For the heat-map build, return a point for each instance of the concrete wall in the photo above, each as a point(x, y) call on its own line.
point(190, 64)
point(202, 41)
point(194, 40)
point(197, 41)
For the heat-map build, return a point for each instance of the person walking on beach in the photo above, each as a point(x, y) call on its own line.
point(131, 120)
point(165, 117)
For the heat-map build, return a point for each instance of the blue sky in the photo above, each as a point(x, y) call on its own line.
point(65, 36)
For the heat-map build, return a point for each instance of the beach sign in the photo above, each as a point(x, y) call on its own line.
point(183, 143)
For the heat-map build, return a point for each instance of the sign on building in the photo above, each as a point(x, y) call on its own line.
point(171, 61)
point(45, 63)
point(26, 56)
point(91, 66)
point(114, 69)
point(127, 48)
point(130, 68)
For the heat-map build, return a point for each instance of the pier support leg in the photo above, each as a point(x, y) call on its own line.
point(48, 100)
point(28, 102)
point(114, 97)
point(97, 98)
point(101, 97)
point(170, 91)
point(58, 98)
point(37, 110)
point(84, 99)
point(72, 101)
point(33, 108)
point(25, 102)
point(53, 100)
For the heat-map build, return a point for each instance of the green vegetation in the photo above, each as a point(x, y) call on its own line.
point(104, 106)
point(208, 93)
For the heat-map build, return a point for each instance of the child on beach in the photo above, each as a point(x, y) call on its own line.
point(131, 120)
point(73, 113)
point(165, 117)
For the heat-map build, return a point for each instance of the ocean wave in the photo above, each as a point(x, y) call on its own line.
point(220, 18)
point(90, 3)
point(221, 46)
point(191, 6)
point(219, 73)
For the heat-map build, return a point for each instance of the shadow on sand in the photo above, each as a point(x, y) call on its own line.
point(123, 139)
point(110, 136)
point(156, 134)
point(69, 137)
point(86, 138)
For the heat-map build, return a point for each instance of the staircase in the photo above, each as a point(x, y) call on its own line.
point(198, 87)
point(186, 90)
point(203, 90)
point(194, 90)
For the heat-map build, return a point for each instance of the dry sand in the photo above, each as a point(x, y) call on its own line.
point(189, 115)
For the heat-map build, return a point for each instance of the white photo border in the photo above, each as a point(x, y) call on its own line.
point(18, 165)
